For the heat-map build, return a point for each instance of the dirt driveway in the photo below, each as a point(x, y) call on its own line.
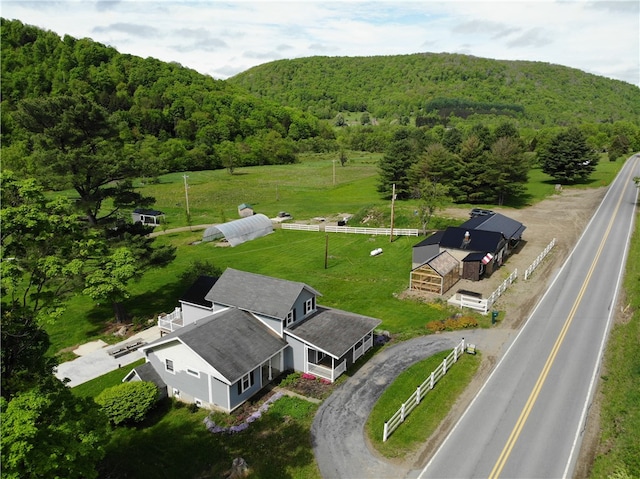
point(340, 446)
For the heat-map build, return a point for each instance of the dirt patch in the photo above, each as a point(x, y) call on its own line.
point(564, 217)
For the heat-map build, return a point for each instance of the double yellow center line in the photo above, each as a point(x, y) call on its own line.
point(515, 433)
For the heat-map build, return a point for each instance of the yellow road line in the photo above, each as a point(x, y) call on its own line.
point(515, 433)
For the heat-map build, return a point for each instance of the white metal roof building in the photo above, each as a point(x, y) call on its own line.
point(238, 231)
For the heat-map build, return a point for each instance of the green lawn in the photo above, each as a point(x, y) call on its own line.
point(174, 443)
point(428, 415)
point(353, 280)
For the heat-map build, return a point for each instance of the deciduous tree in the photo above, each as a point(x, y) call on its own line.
point(45, 253)
point(48, 432)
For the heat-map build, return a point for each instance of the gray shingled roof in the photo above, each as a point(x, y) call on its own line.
point(333, 330)
point(257, 293)
point(146, 372)
point(234, 342)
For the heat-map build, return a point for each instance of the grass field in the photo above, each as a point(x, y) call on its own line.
point(353, 280)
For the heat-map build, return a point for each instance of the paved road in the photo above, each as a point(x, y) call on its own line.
point(529, 418)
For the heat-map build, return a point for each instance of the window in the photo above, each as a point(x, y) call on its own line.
point(176, 393)
point(168, 365)
point(193, 372)
point(245, 383)
point(309, 305)
point(291, 317)
point(197, 402)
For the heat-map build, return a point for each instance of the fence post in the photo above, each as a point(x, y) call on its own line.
point(402, 412)
point(444, 366)
point(418, 395)
point(384, 434)
point(455, 354)
point(431, 380)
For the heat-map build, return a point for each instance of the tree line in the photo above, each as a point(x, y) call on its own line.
point(536, 94)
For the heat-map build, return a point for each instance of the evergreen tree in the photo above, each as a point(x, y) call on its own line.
point(400, 155)
point(470, 183)
point(507, 169)
point(568, 158)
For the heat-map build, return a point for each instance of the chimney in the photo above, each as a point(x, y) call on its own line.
point(466, 240)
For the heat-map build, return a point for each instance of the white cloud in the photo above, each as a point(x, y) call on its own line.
point(222, 39)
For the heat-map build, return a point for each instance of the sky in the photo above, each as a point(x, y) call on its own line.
point(223, 38)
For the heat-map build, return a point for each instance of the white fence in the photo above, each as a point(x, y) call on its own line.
point(483, 305)
point(350, 230)
point(539, 259)
point(371, 231)
point(297, 226)
point(421, 391)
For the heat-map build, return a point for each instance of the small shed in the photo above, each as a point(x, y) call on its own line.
point(474, 265)
point(437, 275)
point(238, 231)
point(147, 217)
point(245, 210)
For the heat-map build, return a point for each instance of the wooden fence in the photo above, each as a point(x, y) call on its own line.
point(539, 259)
point(421, 391)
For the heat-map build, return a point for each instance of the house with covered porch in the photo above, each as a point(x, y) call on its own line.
point(233, 335)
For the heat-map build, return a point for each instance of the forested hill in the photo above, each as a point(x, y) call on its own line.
point(173, 117)
point(388, 87)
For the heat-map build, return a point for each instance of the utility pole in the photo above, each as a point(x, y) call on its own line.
point(186, 193)
point(393, 199)
point(334, 172)
point(326, 252)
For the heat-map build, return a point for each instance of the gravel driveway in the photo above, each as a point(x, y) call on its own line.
point(337, 433)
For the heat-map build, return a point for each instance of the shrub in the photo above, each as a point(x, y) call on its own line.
point(290, 380)
point(128, 401)
point(452, 324)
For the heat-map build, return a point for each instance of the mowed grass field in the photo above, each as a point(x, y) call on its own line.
point(352, 280)
point(318, 186)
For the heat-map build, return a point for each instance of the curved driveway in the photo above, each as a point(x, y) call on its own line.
point(337, 433)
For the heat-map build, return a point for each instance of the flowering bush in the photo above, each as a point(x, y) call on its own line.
point(308, 376)
point(452, 324)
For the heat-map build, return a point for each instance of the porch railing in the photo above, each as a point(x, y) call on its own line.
point(363, 348)
point(172, 321)
point(325, 372)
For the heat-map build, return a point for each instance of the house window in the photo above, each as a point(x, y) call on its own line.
point(168, 365)
point(309, 305)
point(291, 317)
point(176, 393)
point(197, 402)
point(193, 372)
point(245, 383)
